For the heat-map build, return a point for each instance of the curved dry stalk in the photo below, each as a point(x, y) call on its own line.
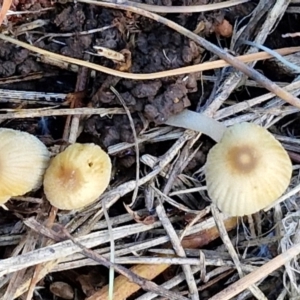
point(175, 72)
point(183, 9)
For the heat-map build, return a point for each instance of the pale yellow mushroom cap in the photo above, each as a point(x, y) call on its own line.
point(23, 161)
point(247, 170)
point(77, 176)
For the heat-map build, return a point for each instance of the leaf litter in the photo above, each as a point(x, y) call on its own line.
point(168, 240)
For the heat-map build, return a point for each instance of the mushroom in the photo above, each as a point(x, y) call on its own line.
point(23, 159)
point(247, 170)
point(77, 176)
point(199, 122)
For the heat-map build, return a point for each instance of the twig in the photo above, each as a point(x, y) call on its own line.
point(275, 54)
point(86, 32)
point(292, 35)
point(112, 254)
point(178, 250)
point(28, 12)
point(136, 145)
point(51, 98)
point(247, 104)
point(18, 78)
point(225, 238)
point(182, 9)
point(33, 113)
point(174, 203)
point(160, 134)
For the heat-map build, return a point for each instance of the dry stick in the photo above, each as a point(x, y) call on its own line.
point(265, 82)
point(178, 250)
point(226, 240)
point(263, 271)
point(18, 78)
point(136, 145)
point(135, 192)
point(33, 113)
point(247, 104)
point(82, 80)
point(182, 9)
point(112, 255)
point(145, 260)
point(35, 278)
point(290, 65)
point(86, 32)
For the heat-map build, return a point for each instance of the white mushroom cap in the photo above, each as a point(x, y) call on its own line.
point(23, 161)
point(77, 176)
point(247, 170)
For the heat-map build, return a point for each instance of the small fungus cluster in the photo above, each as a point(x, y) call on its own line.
point(247, 170)
point(77, 176)
point(23, 161)
point(73, 179)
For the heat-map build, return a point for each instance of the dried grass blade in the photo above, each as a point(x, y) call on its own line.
point(180, 71)
point(4, 9)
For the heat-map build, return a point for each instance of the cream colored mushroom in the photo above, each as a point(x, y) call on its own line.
point(77, 176)
point(23, 161)
point(247, 170)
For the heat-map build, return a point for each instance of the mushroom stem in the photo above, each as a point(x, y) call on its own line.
point(199, 122)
